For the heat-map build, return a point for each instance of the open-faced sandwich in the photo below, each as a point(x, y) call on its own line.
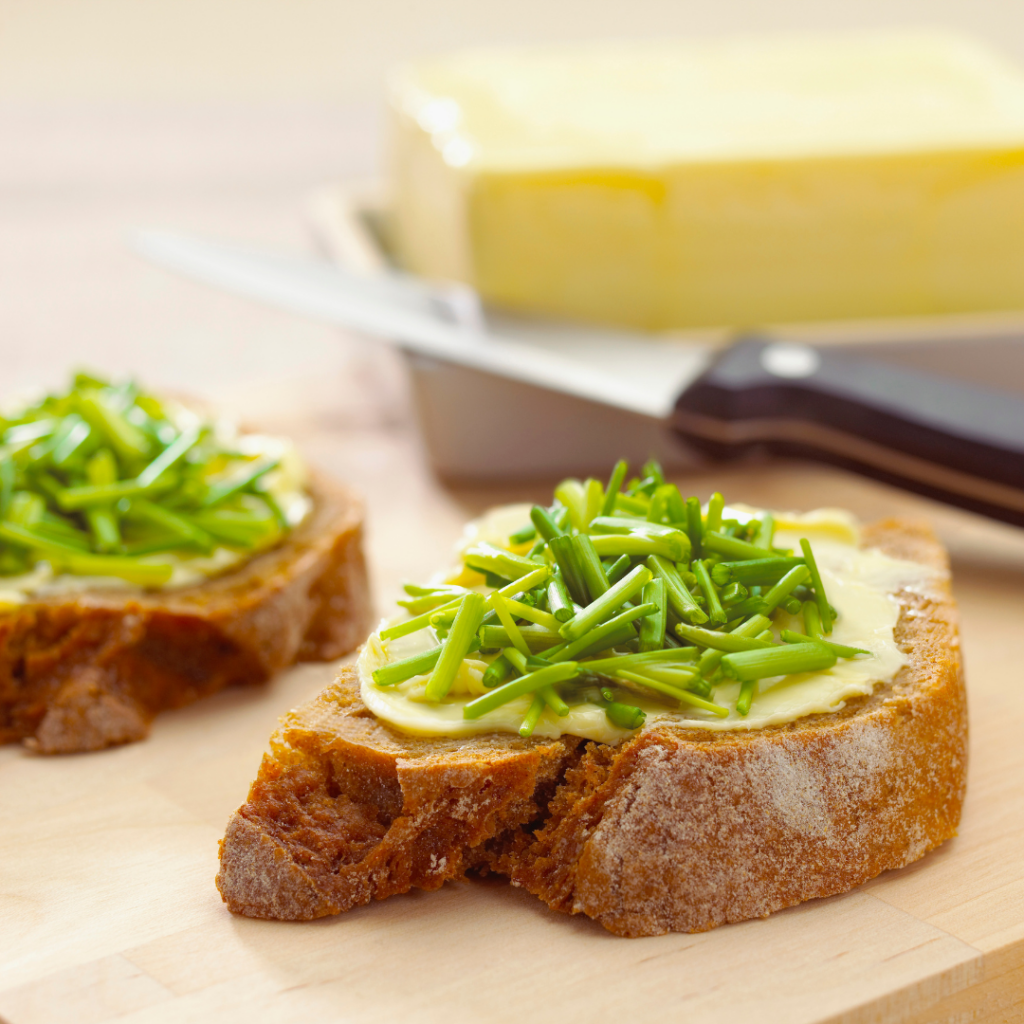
point(662, 715)
point(150, 555)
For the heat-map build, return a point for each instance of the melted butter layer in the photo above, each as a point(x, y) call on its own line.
point(861, 585)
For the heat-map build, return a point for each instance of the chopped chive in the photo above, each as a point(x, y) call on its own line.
point(525, 611)
point(572, 576)
point(683, 696)
point(609, 633)
point(675, 654)
point(537, 638)
point(455, 647)
point(590, 566)
point(784, 588)
point(174, 523)
point(523, 535)
point(572, 495)
point(824, 608)
point(70, 441)
point(486, 557)
point(754, 571)
point(778, 661)
point(713, 520)
point(614, 486)
point(220, 490)
point(7, 473)
point(593, 500)
point(640, 545)
point(497, 672)
point(543, 523)
point(560, 673)
point(559, 600)
point(124, 437)
point(505, 616)
point(680, 600)
point(554, 701)
point(842, 650)
point(73, 498)
point(719, 641)
point(618, 569)
point(624, 716)
point(791, 605)
point(170, 456)
point(716, 613)
point(652, 627)
point(416, 665)
point(605, 605)
point(746, 696)
point(733, 594)
point(414, 624)
point(532, 716)
point(765, 531)
point(631, 504)
point(731, 547)
point(695, 526)
point(812, 620)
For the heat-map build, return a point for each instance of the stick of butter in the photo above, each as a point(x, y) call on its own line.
point(761, 180)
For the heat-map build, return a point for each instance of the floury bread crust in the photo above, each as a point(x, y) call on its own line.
point(85, 671)
point(675, 830)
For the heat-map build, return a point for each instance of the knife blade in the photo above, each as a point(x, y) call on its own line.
point(946, 439)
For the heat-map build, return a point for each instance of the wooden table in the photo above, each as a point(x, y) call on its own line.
point(107, 904)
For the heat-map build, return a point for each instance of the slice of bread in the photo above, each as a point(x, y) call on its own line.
point(677, 829)
point(82, 671)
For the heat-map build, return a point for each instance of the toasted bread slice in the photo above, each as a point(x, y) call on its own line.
point(675, 830)
point(83, 671)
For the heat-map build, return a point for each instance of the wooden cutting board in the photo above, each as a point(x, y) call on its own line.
point(108, 909)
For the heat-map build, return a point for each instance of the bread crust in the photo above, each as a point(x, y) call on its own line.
point(675, 830)
point(84, 671)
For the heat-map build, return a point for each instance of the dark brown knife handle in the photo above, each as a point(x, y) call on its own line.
point(933, 435)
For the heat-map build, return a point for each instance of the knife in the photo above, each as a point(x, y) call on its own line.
point(949, 440)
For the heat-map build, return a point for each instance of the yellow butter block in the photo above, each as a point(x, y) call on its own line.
point(740, 182)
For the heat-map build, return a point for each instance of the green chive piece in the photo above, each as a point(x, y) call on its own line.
point(573, 496)
point(695, 526)
point(753, 572)
point(593, 500)
point(680, 600)
point(618, 569)
point(713, 520)
point(414, 624)
point(667, 655)
point(73, 498)
point(606, 605)
point(731, 547)
point(841, 650)
point(624, 716)
point(733, 594)
point(455, 647)
point(486, 557)
point(812, 620)
point(605, 635)
point(543, 523)
point(130, 443)
point(631, 504)
point(559, 600)
point(614, 486)
point(497, 672)
point(743, 701)
point(716, 613)
point(652, 627)
point(220, 490)
point(101, 469)
point(640, 545)
point(530, 683)
point(505, 617)
point(784, 587)
point(824, 608)
point(525, 611)
point(537, 638)
point(791, 605)
point(522, 536)
point(416, 665)
point(777, 661)
point(532, 716)
point(752, 627)
point(590, 566)
point(179, 525)
point(683, 696)
point(551, 698)
point(70, 441)
point(572, 576)
point(170, 456)
point(728, 642)
point(765, 531)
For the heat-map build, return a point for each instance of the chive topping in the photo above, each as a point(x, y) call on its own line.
point(627, 585)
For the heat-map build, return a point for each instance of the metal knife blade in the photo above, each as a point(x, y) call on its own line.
point(625, 371)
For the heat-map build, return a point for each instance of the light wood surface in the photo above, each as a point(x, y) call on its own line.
point(107, 905)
